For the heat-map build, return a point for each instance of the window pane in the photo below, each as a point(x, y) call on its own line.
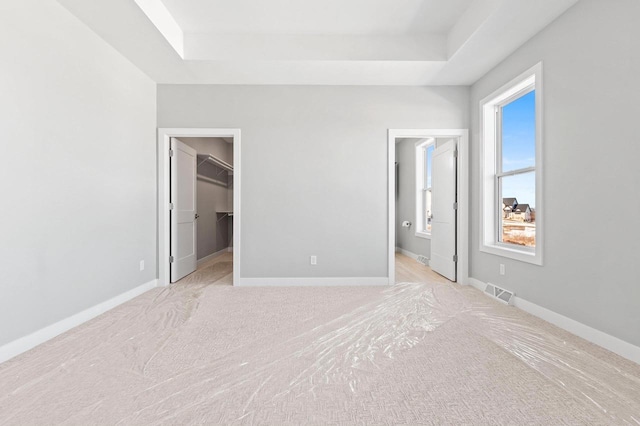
point(429, 152)
point(519, 133)
point(518, 220)
point(427, 187)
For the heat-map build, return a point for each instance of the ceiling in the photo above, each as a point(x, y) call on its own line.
point(328, 17)
point(328, 42)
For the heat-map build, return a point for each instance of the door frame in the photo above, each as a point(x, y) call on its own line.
point(462, 223)
point(164, 183)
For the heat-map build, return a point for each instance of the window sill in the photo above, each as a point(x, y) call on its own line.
point(513, 252)
point(422, 234)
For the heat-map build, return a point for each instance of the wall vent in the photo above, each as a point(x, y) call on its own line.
point(423, 259)
point(500, 294)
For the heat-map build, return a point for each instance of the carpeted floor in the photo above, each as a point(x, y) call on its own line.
point(421, 352)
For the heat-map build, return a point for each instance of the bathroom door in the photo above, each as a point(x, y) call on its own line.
point(443, 222)
point(183, 210)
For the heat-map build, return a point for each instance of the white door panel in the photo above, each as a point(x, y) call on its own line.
point(183, 214)
point(443, 221)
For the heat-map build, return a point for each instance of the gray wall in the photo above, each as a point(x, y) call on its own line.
point(314, 166)
point(591, 152)
point(78, 174)
point(212, 230)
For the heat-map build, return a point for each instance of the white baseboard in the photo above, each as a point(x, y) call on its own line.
point(476, 283)
point(32, 340)
point(214, 255)
point(407, 253)
point(307, 282)
point(600, 338)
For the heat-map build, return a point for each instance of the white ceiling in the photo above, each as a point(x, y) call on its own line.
point(326, 17)
point(316, 42)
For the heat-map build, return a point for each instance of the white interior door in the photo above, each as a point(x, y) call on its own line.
point(443, 221)
point(183, 211)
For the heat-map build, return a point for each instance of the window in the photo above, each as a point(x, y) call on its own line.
point(511, 219)
point(424, 155)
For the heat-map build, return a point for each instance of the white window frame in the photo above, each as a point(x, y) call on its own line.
point(490, 145)
point(421, 190)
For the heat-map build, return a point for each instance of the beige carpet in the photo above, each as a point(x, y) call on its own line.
point(421, 352)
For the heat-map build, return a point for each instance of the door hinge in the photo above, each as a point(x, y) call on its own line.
point(170, 206)
point(455, 154)
point(170, 259)
point(170, 153)
point(455, 257)
point(455, 205)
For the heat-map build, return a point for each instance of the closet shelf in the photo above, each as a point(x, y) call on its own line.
point(208, 158)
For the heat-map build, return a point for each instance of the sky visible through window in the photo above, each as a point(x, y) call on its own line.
point(519, 148)
point(429, 152)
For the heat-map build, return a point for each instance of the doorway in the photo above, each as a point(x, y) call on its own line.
point(201, 204)
point(199, 213)
point(428, 199)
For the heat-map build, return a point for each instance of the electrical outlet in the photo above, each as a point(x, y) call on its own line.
point(142, 265)
point(313, 260)
point(502, 271)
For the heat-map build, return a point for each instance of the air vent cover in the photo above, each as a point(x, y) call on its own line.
point(423, 260)
point(504, 296)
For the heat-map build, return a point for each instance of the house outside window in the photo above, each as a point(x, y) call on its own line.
point(511, 160)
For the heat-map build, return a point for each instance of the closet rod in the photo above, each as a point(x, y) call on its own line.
point(208, 158)
point(208, 179)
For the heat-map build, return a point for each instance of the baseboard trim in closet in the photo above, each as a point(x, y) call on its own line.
point(213, 256)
